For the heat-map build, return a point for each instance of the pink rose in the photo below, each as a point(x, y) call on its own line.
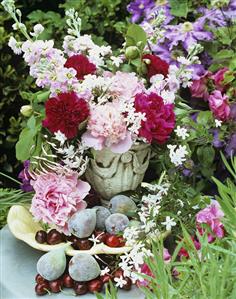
point(218, 78)
point(211, 216)
point(219, 105)
point(199, 87)
point(57, 197)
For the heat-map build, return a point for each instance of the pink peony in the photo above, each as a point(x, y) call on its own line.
point(219, 105)
point(211, 216)
point(218, 78)
point(107, 128)
point(199, 87)
point(57, 197)
point(125, 85)
point(160, 118)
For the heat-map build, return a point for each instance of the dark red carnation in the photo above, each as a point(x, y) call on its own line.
point(65, 112)
point(160, 118)
point(81, 64)
point(156, 66)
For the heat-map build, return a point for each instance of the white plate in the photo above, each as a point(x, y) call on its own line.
point(18, 270)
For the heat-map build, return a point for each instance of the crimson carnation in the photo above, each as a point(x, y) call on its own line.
point(156, 66)
point(65, 112)
point(160, 118)
point(81, 64)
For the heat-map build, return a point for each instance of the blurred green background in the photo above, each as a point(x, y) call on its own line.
point(105, 19)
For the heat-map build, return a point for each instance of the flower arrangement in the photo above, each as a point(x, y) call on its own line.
point(84, 133)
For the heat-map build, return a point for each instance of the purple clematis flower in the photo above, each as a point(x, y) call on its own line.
point(139, 8)
point(213, 17)
point(187, 34)
point(217, 143)
point(230, 148)
point(25, 177)
point(156, 10)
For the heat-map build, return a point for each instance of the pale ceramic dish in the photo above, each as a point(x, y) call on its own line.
point(24, 228)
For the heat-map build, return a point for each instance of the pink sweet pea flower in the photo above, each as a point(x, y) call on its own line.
point(219, 105)
point(199, 87)
point(57, 197)
point(218, 78)
point(211, 216)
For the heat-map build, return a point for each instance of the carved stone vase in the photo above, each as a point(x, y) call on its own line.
point(110, 174)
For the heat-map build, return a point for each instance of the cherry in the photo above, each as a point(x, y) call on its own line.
point(39, 279)
point(101, 236)
point(84, 244)
point(41, 289)
point(95, 285)
point(41, 236)
point(118, 273)
point(55, 285)
point(68, 282)
point(54, 237)
point(72, 238)
point(122, 241)
point(92, 199)
point(128, 284)
point(113, 241)
point(80, 288)
point(105, 278)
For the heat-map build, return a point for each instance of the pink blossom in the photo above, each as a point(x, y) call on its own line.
point(125, 85)
point(147, 271)
point(107, 128)
point(219, 105)
point(218, 78)
point(199, 87)
point(211, 216)
point(57, 197)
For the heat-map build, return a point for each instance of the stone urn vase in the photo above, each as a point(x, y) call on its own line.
point(110, 173)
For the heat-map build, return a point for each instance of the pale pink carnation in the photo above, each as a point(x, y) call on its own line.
point(107, 128)
point(125, 85)
point(219, 105)
point(57, 197)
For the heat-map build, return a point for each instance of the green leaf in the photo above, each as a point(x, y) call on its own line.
point(206, 155)
point(25, 144)
point(232, 65)
point(135, 34)
point(179, 8)
point(223, 54)
point(204, 117)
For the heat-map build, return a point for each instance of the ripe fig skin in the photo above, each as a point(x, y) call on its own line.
point(83, 267)
point(116, 223)
point(122, 204)
point(52, 264)
point(82, 223)
point(102, 214)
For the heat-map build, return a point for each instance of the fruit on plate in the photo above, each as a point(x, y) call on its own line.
point(116, 223)
point(122, 204)
point(52, 264)
point(83, 223)
point(102, 214)
point(83, 267)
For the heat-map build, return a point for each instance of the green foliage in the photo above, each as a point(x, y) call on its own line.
point(179, 8)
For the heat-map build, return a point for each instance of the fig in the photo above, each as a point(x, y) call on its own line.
point(116, 223)
point(122, 204)
point(102, 214)
point(82, 223)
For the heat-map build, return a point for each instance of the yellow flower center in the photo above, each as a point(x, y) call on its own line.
point(141, 6)
point(187, 26)
point(160, 2)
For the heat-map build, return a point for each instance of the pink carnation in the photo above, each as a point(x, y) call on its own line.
point(199, 87)
point(211, 216)
point(125, 85)
point(218, 78)
point(219, 105)
point(57, 197)
point(107, 128)
point(160, 118)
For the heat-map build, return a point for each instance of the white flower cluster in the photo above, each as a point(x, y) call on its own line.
point(181, 132)
point(177, 154)
point(72, 157)
point(150, 205)
point(84, 45)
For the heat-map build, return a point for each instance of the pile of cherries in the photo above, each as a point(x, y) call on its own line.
point(44, 286)
point(54, 237)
